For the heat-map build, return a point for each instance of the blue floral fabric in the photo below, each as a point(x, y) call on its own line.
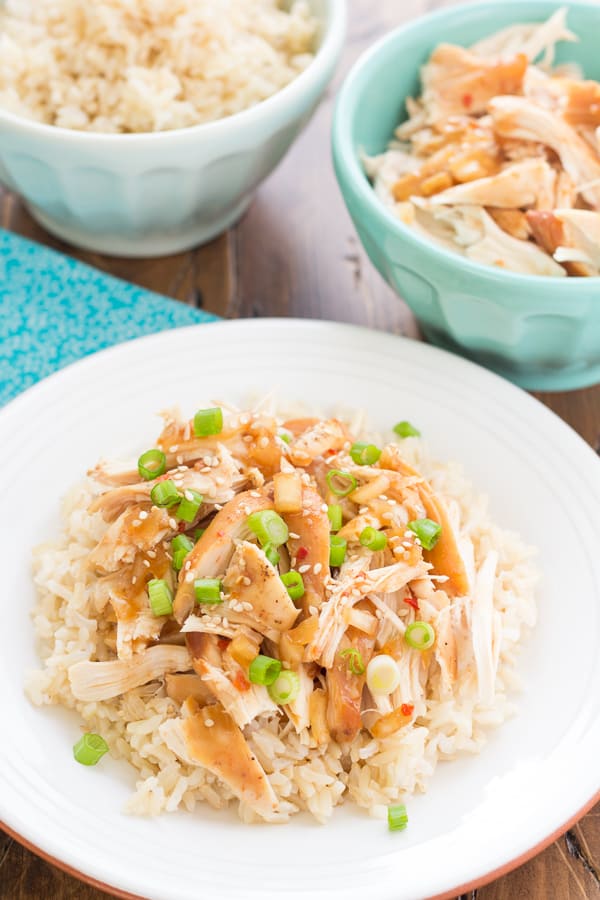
point(54, 310)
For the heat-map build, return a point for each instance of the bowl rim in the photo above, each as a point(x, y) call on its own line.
point(346, 159)
point(334, 24)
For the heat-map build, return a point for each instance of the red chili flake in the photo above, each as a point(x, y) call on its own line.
point(407, 709)
point(223, 643)
point(467, 100)
point(412, 602)
point(240, 682)
point(301, 553)
point(330, 452)
point(220, 534)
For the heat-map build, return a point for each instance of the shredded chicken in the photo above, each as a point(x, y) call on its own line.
point(498, 143)
point(242, 600)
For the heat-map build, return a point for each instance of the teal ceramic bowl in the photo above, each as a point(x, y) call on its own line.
point(540, 332)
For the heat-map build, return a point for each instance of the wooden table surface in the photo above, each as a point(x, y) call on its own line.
point(296, 254)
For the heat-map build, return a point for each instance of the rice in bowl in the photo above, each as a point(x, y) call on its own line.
point(149, 65)
point(75, 624)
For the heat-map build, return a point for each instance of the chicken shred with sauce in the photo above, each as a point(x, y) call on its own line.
point(306, 556)
point(498, 152)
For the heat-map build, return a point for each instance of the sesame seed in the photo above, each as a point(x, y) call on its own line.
point(143, 514)
point(387, 516)
point(263, 441)
point(363, 509)
point(295, 536)
point(317, 568)
point(225, 622)
point(220, 480)
point(247, 509)
point(209, 723)
point(254, 494)
point(146, 563)
point(247, 438)
point(246, 580)
point(383, 497)
point(179, 459)
point(173, 524)
point(189, 577)
point(304, 569)
point(392, 502)
point(218, 506)
point(187, 565)
point(133, 579)
point(174, 448)
point(293, 562)
point(324, 508)
point(136, 523)
point(151, 554)
point(313, 610)
point(205, 469)
point(188, 495)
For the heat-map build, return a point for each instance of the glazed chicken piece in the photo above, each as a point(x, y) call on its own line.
point(456, 81)
point(512, 221)
point(498, 248)
point(317, 440)
point(251, 579)
point(209, 737)
point(582, 103)
point(135, 531)
point(308, 545)
point(518, 185)
point(345, 687)
point(520, 118)
point(212, 553)
point(572, 235)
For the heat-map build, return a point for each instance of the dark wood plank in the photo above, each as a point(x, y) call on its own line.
point(296, 253)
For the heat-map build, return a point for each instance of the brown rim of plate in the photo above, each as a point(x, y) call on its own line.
point(447, 895)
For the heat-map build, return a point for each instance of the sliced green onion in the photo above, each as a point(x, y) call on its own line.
point(208, 421)
point(165, 493)
point(334, 514)
point(189, 506)
point(89, 749)
point(151, 464)
point(427, 531)
point(161, 597)
point(269, 527)
point(208, 590)
point(285, 688)
point(294, 583)
point(355, 660)
point(271, 553)
point(373, 539)
point(419, 635)
point(285, 437)
point(337, 550)
point(264, 670)
point(364, 454)
point(180, 547)
point(383, 674)
point(340, 483)
point(197, 533)
point(397, 817)
point(405, 429)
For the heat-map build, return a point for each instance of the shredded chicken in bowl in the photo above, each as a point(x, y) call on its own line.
point(282, 611)
point(499, 158)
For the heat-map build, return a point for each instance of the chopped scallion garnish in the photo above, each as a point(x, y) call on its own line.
point(334, 514)
point(264, 670)
point(208, 590)
point(340, 483)
point(405, 429)
point(364, 454)
point(285, 688)
point(151, 464)
point(271, 553)
point(397, 817)
point(189, 506)
point(427, 531)
point(208, 421)
point(160, 596)
point(373, 539)
point(180, 547)
point(269, 527)
point(337, 550)
point(89, 749)
point(419, 635)
point(354, 660)
point(294, 583)
point(165, 493)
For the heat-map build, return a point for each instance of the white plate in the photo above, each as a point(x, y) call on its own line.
point(481, 814)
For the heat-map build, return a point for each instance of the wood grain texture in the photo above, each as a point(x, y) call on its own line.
point(296, 254)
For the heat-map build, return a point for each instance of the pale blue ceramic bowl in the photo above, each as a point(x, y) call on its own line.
point(542, 333)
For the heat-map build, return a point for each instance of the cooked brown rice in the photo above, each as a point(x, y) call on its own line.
point(152, 65)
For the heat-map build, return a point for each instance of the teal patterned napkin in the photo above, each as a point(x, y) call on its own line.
point(54, 310)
